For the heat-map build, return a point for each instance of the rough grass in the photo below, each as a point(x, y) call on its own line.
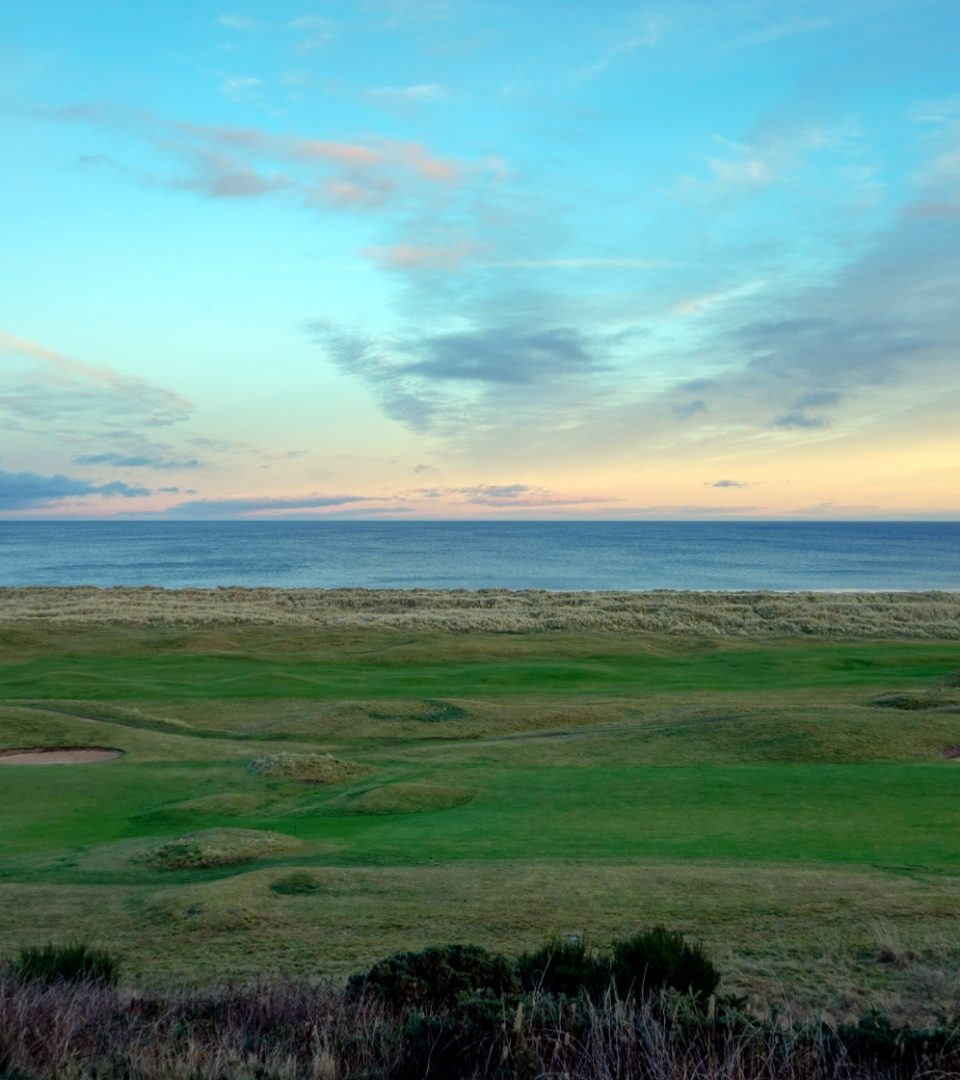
point(310, 768)
point(687, 614)
point(212, 848)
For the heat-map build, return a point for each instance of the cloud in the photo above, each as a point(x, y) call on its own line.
point(136, 461)
point(646, 37)
point(613, 263)
point(49, 393)
point(313, 32)
point(520, 496)
point(28, 491)
point(465, 380)
point(263, 505)
point(242, 23)
point(421, 256)
point(405, 96)
point(727, 484)
point(238, 87)
point(243, 162)
point(800, 420)
point(500, 355)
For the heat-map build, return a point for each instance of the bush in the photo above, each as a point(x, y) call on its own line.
point(660, 959)
point(76, 963)
point(565, 967)
point(438, 977)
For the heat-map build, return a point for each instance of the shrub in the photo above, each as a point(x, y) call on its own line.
point(565, 967)
point(438, 977)
point(660, 959)
point(76, 963)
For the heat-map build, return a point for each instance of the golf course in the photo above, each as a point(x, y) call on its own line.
point(251, 783)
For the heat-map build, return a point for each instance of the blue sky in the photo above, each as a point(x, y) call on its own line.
point(437, 258)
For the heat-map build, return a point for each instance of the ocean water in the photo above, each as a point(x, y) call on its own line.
point(490, 554)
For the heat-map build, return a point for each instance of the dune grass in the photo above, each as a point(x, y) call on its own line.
point(787, 801)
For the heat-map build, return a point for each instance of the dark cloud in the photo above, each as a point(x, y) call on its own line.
point(25, 490)
point(728, 484)
point(800, 420)
point(136, 461)
point(690, 408)
point(468, 381)
point(501, 355)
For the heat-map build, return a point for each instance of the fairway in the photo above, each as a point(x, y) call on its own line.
point(792, 803)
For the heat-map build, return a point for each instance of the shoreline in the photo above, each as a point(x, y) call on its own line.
point(686, 613)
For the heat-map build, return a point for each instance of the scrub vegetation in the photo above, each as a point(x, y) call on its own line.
point(299, 797)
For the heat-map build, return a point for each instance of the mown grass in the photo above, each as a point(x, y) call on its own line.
point(589, 669)
point(501, 788)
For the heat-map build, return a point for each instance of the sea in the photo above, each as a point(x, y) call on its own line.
point(565, 555)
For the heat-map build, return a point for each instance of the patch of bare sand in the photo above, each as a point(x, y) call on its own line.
point(59, 755)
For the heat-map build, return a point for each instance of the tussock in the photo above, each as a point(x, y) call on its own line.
point(212, 848)
point(311, 768)
point(668, 612)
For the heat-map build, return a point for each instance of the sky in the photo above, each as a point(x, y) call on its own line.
point(464, 259)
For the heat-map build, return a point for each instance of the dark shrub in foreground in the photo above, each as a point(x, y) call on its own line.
point(436, 978)
point(660, 959)
point(565, 967)
point(77, 963)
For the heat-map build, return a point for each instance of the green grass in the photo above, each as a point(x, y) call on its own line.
point(546, 783)
point(382, 675)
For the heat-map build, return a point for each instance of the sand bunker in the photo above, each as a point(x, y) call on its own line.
point(59, 755)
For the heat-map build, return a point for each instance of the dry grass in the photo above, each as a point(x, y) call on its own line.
point(310, 768)
point(285, 1031)
point(687, 614)
point(212, 848)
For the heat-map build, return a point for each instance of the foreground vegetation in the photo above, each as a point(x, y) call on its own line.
point(648, 1009)
point(296, 800)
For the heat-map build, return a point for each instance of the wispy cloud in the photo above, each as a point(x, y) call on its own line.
point(727, 484)
point(246, 162)
point(45, 391)
point(406, 96)
point(519, 496)
point(259, 506)
point(136, 461)
point(245, 24)
point(645, 37)
point(238, 87)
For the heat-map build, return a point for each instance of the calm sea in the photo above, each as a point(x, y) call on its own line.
point(490, 554)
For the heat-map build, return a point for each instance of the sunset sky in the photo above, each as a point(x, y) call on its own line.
point(444, 258)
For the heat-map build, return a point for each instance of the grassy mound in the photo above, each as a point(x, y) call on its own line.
point(403, 799)
point(311, 768)
point(217, 847)
point(296, 883)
